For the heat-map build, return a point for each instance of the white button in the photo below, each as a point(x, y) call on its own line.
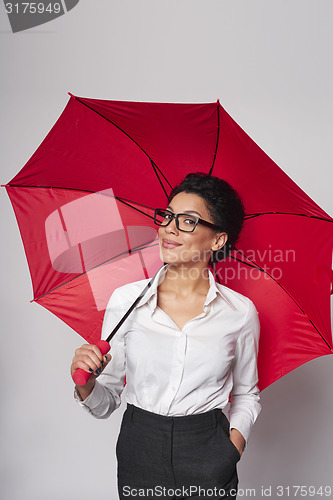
point(173, 388)
point(180, 361)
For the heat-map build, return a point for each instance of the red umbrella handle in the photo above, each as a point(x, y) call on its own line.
point(80, 376)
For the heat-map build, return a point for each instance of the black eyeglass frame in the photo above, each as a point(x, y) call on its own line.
point(175, 216)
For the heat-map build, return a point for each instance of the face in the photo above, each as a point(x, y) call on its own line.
point(191, 247)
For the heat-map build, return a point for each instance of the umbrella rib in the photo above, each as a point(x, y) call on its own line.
point(158, 178)
point(135, 249)
point(134, 208)
point(122, 200)
point(160, 171)
point(153, 164)
point(246, 263)
point(252, 216)
point(217, 136)
point(283, 288)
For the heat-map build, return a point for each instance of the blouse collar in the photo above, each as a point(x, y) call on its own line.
point(150, 296)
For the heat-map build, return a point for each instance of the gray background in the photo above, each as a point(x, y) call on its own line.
point(270, 63)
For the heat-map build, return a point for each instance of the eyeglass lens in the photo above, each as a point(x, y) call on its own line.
point(185, 222)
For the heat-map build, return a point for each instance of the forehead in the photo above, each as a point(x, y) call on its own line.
point(188, 201)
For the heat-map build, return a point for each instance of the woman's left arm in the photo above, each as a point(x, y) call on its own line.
point(244, 397)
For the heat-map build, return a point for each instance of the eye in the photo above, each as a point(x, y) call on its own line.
point(190, 222)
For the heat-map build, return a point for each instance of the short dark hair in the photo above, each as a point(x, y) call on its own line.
point(222, 202)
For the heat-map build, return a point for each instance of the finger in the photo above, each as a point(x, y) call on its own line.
point(90, 350)
point(105, 362)
point(92, 357)
point(91, 360)
point(97, 352)
point(81, 364)
point(85, 348)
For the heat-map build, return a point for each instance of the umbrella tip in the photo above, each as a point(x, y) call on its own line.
point(218, 100)
point(71, 94)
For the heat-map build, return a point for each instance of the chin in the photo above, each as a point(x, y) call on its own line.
point(168, 257)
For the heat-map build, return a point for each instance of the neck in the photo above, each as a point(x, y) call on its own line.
point(186, 278)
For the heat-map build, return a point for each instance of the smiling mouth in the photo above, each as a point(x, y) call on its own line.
point(170, 244)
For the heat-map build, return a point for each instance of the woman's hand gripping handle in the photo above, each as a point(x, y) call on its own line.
point(90, 359)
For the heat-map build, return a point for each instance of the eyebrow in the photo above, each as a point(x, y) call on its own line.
point(185, 211)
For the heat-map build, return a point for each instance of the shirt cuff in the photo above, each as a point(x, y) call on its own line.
point(243, 424)
point(93, 400)
point(100, 403)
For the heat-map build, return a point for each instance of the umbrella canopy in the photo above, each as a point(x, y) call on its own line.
point(85, 202)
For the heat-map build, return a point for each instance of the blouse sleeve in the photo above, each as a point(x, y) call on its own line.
point(106, 395)
point(244, 400)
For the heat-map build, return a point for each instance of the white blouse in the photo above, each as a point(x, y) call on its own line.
point(178, 372)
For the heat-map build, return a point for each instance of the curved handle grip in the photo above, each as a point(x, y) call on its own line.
point(80, 376)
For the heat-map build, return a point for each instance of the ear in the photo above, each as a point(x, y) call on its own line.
point(220, 241)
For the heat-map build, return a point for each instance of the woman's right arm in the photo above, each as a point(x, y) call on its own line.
point(101, 397)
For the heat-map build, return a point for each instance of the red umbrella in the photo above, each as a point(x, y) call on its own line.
point(85, 203)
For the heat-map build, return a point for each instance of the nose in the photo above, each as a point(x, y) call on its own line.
point(171, 227)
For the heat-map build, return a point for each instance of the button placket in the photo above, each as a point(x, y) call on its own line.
point(177, 366)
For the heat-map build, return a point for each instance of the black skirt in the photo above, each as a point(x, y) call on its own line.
point(176, 457)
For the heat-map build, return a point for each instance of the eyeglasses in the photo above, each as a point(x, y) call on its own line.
point(184, 222)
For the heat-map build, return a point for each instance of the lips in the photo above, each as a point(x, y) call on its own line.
point(169, 243)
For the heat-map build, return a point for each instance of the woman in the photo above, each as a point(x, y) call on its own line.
point(188, 344)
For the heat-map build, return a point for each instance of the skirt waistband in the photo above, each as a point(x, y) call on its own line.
point(187, 422)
